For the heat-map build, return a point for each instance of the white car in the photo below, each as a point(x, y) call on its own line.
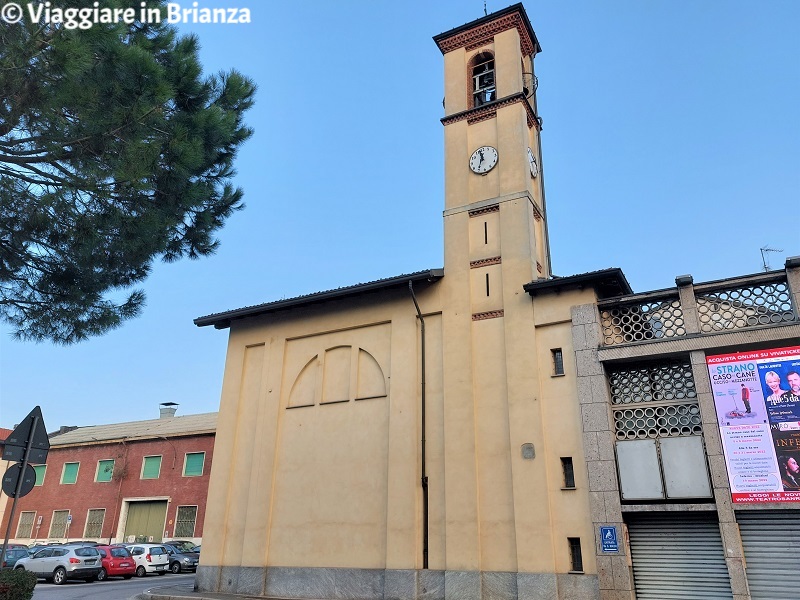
point(149, 558)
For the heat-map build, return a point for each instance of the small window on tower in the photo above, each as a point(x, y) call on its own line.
point(569, 472)
point(576, 559)
point(558, 361)
point(483, 88)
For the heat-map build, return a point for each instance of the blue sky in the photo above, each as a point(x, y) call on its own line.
point(671, 145)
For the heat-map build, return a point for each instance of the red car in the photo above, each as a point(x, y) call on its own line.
point(117, 562)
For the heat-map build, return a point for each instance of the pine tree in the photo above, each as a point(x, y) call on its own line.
point(115, 151)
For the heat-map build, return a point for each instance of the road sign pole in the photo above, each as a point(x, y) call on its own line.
point(19, 486)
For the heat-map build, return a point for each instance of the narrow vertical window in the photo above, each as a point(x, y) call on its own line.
point(485, 232)
point(576, 559)
point(558, 361)
point(487, 284)
point(569, 472)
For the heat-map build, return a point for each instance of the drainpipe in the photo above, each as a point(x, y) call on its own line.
point(424, 471)
point(122, 472)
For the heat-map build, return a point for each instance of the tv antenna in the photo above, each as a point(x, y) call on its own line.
point(484, 8)
point(764, 251)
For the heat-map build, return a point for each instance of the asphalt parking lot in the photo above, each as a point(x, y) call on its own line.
point(111, 589)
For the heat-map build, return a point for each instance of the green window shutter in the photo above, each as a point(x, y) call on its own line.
point(40, 469)
point(194, 464)
point(70, 474)
point(105, 469)
point(152, 466)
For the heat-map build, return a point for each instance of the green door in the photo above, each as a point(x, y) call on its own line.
point(145, 520)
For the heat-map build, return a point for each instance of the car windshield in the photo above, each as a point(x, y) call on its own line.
point(182, 546)
point(89, 551)
point(120, 553)
point(158, 550)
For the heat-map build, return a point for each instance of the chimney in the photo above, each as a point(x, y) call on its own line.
point(167, 409)
point(61, 430)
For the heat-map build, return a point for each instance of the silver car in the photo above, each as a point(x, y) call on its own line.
point(60, 563)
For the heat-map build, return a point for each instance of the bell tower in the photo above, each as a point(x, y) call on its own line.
point(495, 234)
point(494, 193)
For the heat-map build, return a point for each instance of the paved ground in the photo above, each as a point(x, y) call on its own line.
point(113, 588)
point(185, 592)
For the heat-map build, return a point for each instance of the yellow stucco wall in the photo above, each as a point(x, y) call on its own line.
point(319, 438)
point(335, 482)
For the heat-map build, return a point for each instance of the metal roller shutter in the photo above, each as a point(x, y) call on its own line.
point(678, 556)
point(771, 541)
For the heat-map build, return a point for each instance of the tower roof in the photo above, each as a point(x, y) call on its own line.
point(478, 32)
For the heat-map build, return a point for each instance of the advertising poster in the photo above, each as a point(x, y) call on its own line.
point(757, 399)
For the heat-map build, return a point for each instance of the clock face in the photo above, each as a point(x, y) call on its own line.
point(483, 160)
point(532, 162)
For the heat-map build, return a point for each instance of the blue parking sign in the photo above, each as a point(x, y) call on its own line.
point(608, 539)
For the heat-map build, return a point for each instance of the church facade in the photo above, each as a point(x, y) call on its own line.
point(446, 433)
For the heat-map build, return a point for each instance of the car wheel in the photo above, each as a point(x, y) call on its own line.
point(59, 576)
point(175, 567)
point(140, 572)
point(102, 575)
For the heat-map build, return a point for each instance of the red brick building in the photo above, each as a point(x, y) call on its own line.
point(4, 500)
point(137, 481)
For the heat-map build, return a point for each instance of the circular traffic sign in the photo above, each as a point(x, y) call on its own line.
point(11, 478)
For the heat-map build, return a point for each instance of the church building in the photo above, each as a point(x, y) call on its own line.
point(449, 433)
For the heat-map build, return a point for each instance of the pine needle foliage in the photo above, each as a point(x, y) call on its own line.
point(115, 151)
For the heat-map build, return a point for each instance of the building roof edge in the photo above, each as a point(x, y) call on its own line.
point(509, 10)
point(608, 283)
point(223, 320)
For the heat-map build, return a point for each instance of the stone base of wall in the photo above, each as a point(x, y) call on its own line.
point(380, 584)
